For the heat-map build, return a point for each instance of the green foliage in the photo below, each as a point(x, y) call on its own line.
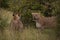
point(4, 4)
point(3, 23)
point(25, 7)
point(27, 16)
point(57, 8)
point(58, 26)
point(5, 17)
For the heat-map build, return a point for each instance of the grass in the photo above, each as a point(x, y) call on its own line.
point(28, 34)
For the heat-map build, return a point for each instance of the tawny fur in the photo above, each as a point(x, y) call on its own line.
point(16, 23)
point(44, 21)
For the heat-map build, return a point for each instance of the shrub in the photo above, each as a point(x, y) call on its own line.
point(5, 18)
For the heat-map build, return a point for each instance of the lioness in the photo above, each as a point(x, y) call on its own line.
point(44, 22)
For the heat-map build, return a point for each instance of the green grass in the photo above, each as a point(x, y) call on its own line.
point(28, 34)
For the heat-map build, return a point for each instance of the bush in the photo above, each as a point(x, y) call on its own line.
point(5, 18)
point(27, 16)
point(4, 4)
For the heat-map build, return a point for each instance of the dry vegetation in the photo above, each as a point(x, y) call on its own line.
point(28, 34)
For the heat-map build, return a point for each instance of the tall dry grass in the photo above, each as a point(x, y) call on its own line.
point(28, 34)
